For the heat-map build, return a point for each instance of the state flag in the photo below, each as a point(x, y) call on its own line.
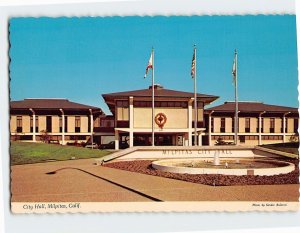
point(234, 68)
point(149, 66)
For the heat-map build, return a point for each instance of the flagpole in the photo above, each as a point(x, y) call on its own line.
point(195, 98)
point(153, 97)
point(236, 99)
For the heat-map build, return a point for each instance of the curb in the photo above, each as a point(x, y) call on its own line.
point(282, 153)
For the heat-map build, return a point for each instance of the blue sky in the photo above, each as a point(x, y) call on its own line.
point(82, 58)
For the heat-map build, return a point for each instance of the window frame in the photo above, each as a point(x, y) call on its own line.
point(60, 124)
point(77, 124)
point(36, 123)
point(223, 125)
point(19, 124)
point(247, 124)
point(272, 125)
point(296, 125)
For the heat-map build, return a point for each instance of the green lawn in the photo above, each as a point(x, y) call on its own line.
point(26, 152)
point(290, 147)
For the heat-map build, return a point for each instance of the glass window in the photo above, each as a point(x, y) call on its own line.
point(222, 125)
point(31, 124)
point(19, 124)
point(296, 125)
point(36, 123)
point(170, 104)
point(19, 121)
point(272, 122)
point(160, 104)
point(66, 124)
point(247, 125)
point(242, 139)
point(77, 121)
point(272, 125)
point(164, 104)
point(200, 104)
point(122, 103)
point(60, 124)
point(77, 124)
point(178, 104)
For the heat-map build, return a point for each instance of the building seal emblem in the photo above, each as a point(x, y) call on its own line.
point(160, 119)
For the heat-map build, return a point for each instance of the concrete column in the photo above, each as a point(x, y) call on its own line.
point(209, 128)
point(284, 126)
point(190, 112)
point(186, 139)
point(131, 121)
point(130, 138)
point(190, 139)
point(92, 121)
point(116, 140)
point(63, 126)
point(200, 139)
point(33, 125)
point(259, 128)
point(92, 126)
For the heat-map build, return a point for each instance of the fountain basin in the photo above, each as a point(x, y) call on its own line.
point(238, 167)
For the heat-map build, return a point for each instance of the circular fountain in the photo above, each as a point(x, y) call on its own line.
point(226, 166)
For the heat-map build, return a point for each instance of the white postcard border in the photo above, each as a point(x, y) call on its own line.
point(277, 7)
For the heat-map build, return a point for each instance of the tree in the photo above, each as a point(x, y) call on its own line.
point(294, 138)
point(45, 137)
point(16, 136)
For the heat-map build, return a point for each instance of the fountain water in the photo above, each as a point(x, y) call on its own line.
point(216, 161)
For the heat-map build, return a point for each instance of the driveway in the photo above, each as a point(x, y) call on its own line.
point(83, 181)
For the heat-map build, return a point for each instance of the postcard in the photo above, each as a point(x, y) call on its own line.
point(138, 113)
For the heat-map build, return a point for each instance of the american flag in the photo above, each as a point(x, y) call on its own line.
point(193, 66)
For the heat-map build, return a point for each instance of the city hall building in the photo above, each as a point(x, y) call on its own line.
point(258, 123)
point(133, 116)
point(62, 120)
point(131, 120)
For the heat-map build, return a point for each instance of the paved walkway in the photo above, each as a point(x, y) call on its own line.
point(82, 181)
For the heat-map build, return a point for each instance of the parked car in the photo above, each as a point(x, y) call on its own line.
point(221, 142)
point(92, 146)
point(111, 145)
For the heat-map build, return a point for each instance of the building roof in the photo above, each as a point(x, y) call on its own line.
point(50, 104)
point(248, 106)
point(159, 92)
